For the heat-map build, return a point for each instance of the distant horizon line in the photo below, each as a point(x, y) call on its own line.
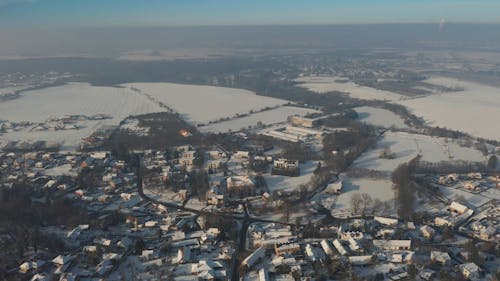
point(251, 25)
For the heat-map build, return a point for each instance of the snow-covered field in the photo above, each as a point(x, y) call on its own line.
point(340, 205)
point(71, 99)
point(267, 117)
point(201, 104)
point(380, 117)
point(289, 184)
point(476, 110)
point(325, 84)
point(198, 104)
point(406, 146)
point(377, 188)
point(11, 90)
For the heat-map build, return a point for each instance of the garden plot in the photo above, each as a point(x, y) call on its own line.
point(325, 84)
point(267, 117)
point(475, 110)
point(202, 104)
point(38, 106)
point(380, 117)
point(405, 146)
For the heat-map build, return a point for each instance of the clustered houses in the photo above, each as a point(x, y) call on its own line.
point(232, 187)
point(126, 237)
point(130, 237)
point(380, 248)
point(227, 174)
point(480, 223)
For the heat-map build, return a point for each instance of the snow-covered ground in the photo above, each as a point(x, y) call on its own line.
point(75, 98)
point(11, 90)
point(198, 104)
point(325, 84)
point(267, 117)
point(201, 104)
point(475, 110)
point(475, 200)
point(380, 117)
point(71, 99)
point(131, 125)
point(340, 205)
point(406, 146)
point(289, 184)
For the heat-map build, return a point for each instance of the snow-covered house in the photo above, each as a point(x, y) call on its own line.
point(386, 221)
point(254, 257)
point(427, 232)
point(440, 257)
point(470, 271)
point(458, 208)
point(392, 245)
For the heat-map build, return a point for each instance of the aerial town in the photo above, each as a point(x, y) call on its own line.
point(259, 140)
point(248, 207)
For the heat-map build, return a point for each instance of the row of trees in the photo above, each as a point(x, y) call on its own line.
point(404, 188)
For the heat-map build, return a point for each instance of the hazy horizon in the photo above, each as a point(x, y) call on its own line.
point(218, 40)
point(32, 28)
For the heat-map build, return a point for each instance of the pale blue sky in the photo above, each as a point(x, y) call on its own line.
point(95, 13)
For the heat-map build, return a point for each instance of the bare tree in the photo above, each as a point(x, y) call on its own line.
point(367, 202)
point(377, 206)
point(356, 202)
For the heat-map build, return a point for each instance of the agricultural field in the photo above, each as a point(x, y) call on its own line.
point(380, 117)
point(39, 106)
point(405, 146)
point(45, 109)
point(202, 104)
point(267, 117)
point(473, 110)
point(326, 84)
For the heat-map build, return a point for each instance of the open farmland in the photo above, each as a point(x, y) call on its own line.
point(380, 117)
point(405, 146)
point(267, 117)
point(38, 106)
point(202, 104)
point(475, 110)
point(326, 84)
point(45, 108)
